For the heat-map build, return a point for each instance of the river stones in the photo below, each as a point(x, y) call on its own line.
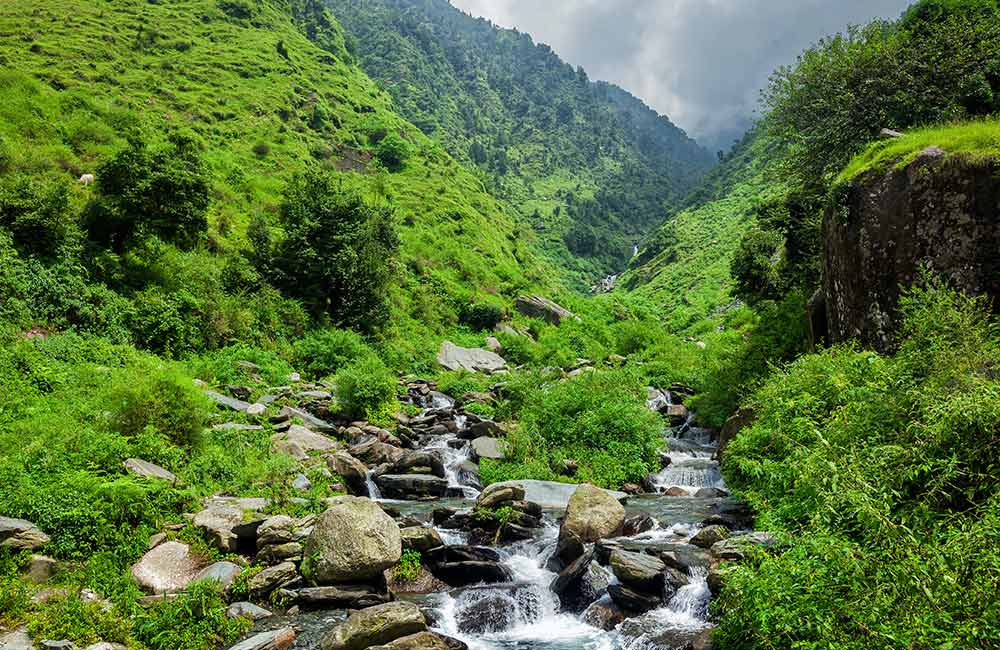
point(498, 494)
point(225, 573)
point(580, 583)
point(604, 615)
point(21, 535)
point(272, 578)
point(710, 535)
point(638, 570)
point(593, 514)
point(273, 640)
point(248, 610)
point(342, 596)
point(459, 566)
point(638, 524)
point(231, 523)
point(411, 486)
point(374, 626)
point(735, 548)
point(167, 569)
point(373, 453)
point(632, 600)
point(420, 538)
point(353, 472)
point(484, 610)
point(418, 641)
point(352, 540)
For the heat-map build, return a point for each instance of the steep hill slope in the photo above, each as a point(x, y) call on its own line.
point(592, 166)
point(266, 88)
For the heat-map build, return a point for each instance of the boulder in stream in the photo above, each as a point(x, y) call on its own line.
point(374, 626)
point(352, 540)
point(411, 486)
point(593, 514)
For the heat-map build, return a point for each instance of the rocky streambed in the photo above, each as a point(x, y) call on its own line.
point(531, 565)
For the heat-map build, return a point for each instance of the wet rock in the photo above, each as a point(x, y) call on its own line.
point(710, 493)
point(418, 641)
point(343, 596)
point(675, 492)
point(580, 584)
point(633, 601)
point(538, 307)
point(550, 494)
point(461, 574)
point(352, 540)
point(418, 462)
point(709, 535)
point(375, 626)
point(487, 610)
point(453, 357)
point(411, 486)
point(638, 570)
point(146, 469)
point(569, 547)
point(273, 640)
point(247, 610)
point(483, 428)
point(419, 538)
point(351, 470)
point(168, 568)
point(373, 452)
point(604, 615)
point(638, 524)
point(21, 535)
point(498, 494)
point(593, 514)
point(468, 474)
point(39, 569)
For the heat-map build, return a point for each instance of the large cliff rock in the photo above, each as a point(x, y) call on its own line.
point(939, 211)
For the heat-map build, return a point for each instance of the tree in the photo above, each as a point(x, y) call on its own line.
point(392, 151)
point(144, 190)
point(337, 251)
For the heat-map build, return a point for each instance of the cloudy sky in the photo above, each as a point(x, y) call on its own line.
point(701, 62)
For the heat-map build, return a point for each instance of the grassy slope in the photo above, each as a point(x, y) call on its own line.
point(978, 140)
point(683, 267)
point(76, 74)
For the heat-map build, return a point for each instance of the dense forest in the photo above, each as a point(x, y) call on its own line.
point(588, 165)
point(297, 345)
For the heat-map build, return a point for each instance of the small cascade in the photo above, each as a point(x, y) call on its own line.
point(373, 492)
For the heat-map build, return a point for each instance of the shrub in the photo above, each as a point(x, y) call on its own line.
point(160, 399)
point(408, 567)
point(324, 352)
point(337, 251)
point(37, 214)
point(481, 316)
point(234, 364)
point(162, 191)
point(194, 621)
point(393, 151)
point(82, 622)
point(367, 389)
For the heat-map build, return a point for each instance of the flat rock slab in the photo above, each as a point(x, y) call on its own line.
point(228, 402)
point(453, 357)
point(274, 640)
point(486, 447)
point(21, 535)
point(146, 469)
point(303, 439)
point(245, 609)
point(167, 569)
point(538, 307)
point(16, 640)
point(550, 494)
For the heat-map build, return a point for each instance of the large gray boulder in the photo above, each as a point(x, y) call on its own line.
point(167, 569)
point(353, 540)
point(484, 447)
point(376, 626)
point(638, 570)
point(538, 307)
point(411, 487)
point(593, 514)
point(453, 357)
point(498, 494)
point(21, 535)
point(420, 538)
point(146, 469)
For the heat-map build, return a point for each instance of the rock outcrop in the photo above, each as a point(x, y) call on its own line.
point(453, 357)
point(938, 212)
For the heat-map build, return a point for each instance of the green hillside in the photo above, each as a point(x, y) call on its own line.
point(591, 166)
point(265, 89)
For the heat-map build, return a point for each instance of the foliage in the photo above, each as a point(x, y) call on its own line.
point(878, 468)
point(195, 621)
point(36, 213)
point(161, 191)
point(408, 567)
point(600, 420)
point(481, 316)
point(393, 151)
point(367, 389)
point(158, 401)
point(324, 352)
point(336, 252)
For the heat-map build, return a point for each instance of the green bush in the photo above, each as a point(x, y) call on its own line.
point(324, 352)
point(876, 469)
point(195, 621)
point(393, 151)
point(159, 399)
point(408, 567)
point(598, 419)
point(234, 364)
point(367, 389)
point(144, 190)
point(82, 622)
point(36, 212)
point(481, 316)
point(336, 255)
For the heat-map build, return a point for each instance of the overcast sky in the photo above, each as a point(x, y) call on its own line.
point(700, 62)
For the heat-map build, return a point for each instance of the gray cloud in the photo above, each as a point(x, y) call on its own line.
point(701, 62)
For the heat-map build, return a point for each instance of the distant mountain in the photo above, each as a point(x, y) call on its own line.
point(591, 166)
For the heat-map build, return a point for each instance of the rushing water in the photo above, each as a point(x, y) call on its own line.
point(525, 614)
